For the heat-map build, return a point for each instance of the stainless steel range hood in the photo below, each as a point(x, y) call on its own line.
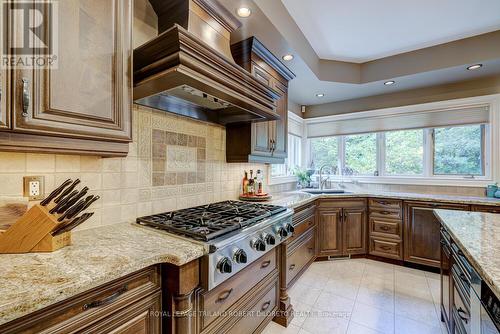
point(188, 68)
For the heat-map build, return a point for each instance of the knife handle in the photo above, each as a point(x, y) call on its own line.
point(76, 222)
point(68, 213)
point(56, 192)
point(67, 191)
point(63, 201)
point(73, 200)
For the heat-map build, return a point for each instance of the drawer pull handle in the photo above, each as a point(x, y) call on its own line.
point(385, 212)
point(292, 266)
point(105, 301)
point(265, 264)
point(265, 306)
point(387, 248)
point(464, 317)
point(385, 228)
point(225, 295)
point(382, 202)
point(26, 97)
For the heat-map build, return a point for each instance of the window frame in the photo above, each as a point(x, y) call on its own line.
point(428, 176)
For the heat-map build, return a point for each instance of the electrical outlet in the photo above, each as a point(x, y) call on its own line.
point(34, 187)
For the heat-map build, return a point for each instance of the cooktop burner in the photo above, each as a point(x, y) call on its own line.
point(207, 222)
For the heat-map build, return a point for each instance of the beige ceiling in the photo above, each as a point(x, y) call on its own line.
point(339, 80)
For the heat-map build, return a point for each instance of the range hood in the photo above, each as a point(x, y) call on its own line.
point(188, 68)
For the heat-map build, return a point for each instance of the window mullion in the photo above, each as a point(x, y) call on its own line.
point(428, 152)
point(341, 154)
point(381, 153)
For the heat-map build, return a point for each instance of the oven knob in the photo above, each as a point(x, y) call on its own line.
point(240, 256)
point(224, 265)
point(289, 228)
point(282, 232)
point(258, 245)
point(270, 239)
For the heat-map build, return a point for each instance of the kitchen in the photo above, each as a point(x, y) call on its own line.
point(369, 204)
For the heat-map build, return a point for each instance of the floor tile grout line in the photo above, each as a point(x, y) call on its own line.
point(356, 298)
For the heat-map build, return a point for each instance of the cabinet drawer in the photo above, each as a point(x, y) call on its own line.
point(301, 226)
point(260, 308)
point(300, 256)
point(226, 294)
point(385, 204)
point(90, 308)
point(386, 227)
point(484, 208)
point(342, 203)
point(386, 248)
point(385, 213)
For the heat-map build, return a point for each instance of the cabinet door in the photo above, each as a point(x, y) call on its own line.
point(88, 94)
point(143, 317)
point(4, 110)
point(354, 232)
point(261, 139)
point(330, 232)
point(422, 232)
point(280, 127)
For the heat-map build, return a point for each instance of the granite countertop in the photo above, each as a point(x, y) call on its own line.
point(29, 282)
point(478, 236)
point(295, 199)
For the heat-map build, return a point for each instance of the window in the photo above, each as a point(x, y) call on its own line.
point(324, 151)
point(404, 152)
point(459, 150)
point(361, 154)
point(431, 153)
point(293, 160)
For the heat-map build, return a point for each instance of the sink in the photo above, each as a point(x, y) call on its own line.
point(325, 191)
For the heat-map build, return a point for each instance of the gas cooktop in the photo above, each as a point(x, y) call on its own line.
point(207, 222)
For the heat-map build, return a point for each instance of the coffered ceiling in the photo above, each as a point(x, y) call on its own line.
point(348, 49)
point(364, 30)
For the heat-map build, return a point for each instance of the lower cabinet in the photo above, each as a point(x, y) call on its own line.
point(128, 305)
point(422, 232)
point(244, 303)
point(386, 228)
point(342, 227)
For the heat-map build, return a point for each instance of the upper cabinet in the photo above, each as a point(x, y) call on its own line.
point(261, 141)
point(86, 97)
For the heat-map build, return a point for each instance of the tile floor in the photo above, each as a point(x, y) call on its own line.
point(362, 296)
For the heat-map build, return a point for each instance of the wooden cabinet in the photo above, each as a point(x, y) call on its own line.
point(421, 232)
point(245, 303)
point(128, 305)
point(86, 98)
point(342, 227)
point(485, 208)
point(385, 228)
point(261, 141)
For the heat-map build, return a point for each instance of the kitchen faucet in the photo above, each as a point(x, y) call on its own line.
point(322, 181)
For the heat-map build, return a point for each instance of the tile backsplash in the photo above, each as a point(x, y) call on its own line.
point(174, 162)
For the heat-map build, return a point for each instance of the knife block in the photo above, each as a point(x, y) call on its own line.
point(32, 233)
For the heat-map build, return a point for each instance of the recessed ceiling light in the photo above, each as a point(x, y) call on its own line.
point(320, 95)
point(287, 57)
point(390, 82)
point(243, 12)
point(474, 67)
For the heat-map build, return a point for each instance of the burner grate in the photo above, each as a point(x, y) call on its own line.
point(210, 221)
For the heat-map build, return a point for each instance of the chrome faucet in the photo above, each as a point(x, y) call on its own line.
point(322, 181)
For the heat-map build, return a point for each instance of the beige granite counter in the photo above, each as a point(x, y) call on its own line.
point(295, 199)
point(29, 282)
point(478, 235)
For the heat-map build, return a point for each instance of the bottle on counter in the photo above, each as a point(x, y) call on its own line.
point(245, 183)
point(260, 181)
point(251, 184)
